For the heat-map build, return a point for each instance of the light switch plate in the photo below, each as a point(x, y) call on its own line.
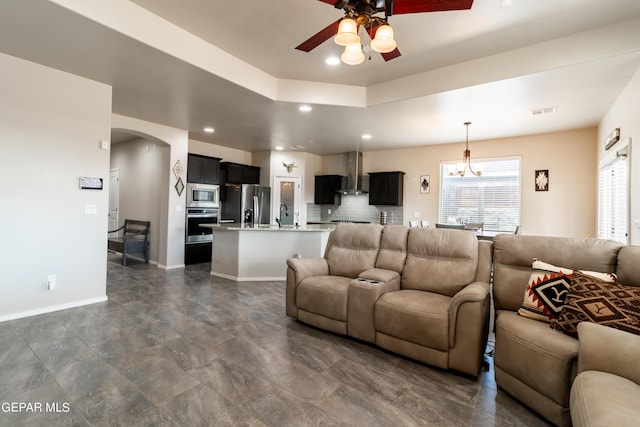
point(90, 209)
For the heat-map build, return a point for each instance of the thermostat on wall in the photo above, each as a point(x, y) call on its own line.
point(89, 183)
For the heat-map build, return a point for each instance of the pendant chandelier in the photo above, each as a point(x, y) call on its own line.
point(461, 168)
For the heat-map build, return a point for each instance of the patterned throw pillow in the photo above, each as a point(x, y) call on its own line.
point(547, 289)
point(593, 300)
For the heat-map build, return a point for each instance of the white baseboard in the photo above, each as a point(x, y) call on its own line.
point(51, 309)
point(248, 279)
point(171, 267)
point(164, 267)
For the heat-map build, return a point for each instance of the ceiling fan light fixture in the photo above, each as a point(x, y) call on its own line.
point(383, 42)
point(347, 33)
point(352, 54)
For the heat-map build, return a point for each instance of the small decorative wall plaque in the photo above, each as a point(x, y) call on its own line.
point(542, 180)
point(90, 183)
point(177, 170)
point(425, 184)
point(612, 138)
point(179, 186)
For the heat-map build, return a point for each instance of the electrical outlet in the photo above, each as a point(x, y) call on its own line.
point(328, 211)
point(51, 282)
point(416, 214)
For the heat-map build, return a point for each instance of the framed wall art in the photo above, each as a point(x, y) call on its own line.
point(542, 180)
point(425, 184)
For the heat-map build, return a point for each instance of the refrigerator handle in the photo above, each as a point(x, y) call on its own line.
point(256, 211)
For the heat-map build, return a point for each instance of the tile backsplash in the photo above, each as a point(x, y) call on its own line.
point(353, 208)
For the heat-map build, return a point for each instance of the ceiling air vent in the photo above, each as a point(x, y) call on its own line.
point(543, 111)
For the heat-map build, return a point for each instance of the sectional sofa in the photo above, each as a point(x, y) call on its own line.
point(534, 362)
point(424, 294)
point(421, 293)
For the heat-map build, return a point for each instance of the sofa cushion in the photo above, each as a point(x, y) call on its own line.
point(547, 289)
point(416, 316)
point(393, 248)
point(324, 295)
point(353, 248)
point(536, 355)
point(603, 399)
point(593, 300)
point(440, 260)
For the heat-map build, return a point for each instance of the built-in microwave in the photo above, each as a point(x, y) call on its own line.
point(203, 195)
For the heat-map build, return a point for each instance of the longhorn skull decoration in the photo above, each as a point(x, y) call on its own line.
point(289, 166)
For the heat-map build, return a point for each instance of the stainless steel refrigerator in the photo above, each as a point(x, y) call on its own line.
point(246, 204)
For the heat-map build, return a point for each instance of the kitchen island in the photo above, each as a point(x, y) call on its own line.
point(260, 253)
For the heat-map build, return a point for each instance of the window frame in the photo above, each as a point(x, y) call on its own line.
point(610, 209)
point(444, 174)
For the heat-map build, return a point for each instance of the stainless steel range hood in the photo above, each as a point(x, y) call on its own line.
point(354, 175)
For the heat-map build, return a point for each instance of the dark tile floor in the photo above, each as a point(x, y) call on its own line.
point(182, 348)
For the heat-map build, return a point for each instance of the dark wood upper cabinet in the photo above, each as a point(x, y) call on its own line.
point(236, 173)
point(326, 189)
point(386, 188)
point(203, 169)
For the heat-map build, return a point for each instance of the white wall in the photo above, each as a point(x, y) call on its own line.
point(142, 164)
point(51, 125)
point(226, 154)
point(306, 167)
point(567, 209)
point(625, 114)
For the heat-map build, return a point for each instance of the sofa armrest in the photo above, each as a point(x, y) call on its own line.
point(308, 267)
point(606, 349)
point(299, 269)
point(380, 275)
point(476, 292)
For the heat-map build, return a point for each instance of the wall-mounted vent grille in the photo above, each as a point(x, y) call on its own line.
point(543, 111)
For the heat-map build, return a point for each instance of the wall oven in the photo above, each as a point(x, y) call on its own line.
point(197, 217)
point(203, 195)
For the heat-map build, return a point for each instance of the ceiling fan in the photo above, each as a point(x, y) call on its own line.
point(366, 15)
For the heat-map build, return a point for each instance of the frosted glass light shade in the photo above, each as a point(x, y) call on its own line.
point(347, 33)
point(352, 54)
point(383, 42)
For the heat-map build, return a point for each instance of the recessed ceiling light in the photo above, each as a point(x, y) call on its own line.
point(209, 129)
point(366, 136)
point(279, 148)
point(332, 60)
point(305, 108)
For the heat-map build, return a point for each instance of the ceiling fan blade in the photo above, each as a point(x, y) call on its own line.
point(320, 37)
point(391, 55)
point(418, 6)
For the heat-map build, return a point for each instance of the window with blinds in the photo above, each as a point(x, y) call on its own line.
point(492, 198)
point(613, 199)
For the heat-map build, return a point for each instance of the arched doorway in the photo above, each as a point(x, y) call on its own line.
point(171, 146)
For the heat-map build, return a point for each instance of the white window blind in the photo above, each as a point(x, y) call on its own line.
point(492, 198)
point(613, 200)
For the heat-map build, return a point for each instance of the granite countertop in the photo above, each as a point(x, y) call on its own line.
point(237, 227)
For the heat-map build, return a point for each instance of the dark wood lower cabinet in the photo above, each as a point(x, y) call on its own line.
point(195, 253)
